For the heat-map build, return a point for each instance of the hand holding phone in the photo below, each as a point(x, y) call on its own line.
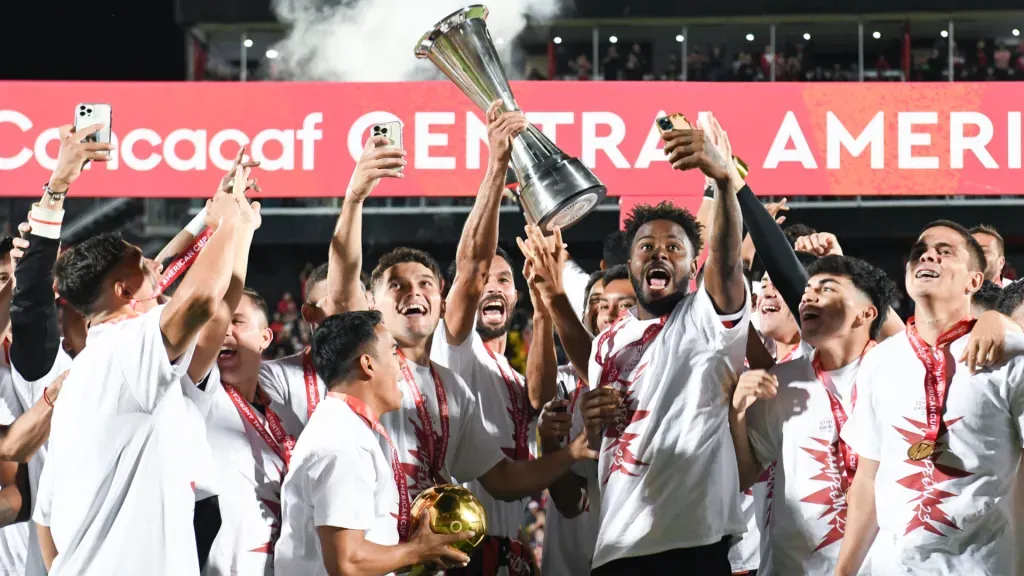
point(393, 132)
point(88, 138)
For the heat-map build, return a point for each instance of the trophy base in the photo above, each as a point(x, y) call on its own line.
point(561, 196)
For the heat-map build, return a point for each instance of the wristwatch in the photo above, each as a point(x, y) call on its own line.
point(53, 194)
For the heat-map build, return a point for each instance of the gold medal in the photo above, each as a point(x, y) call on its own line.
point(921, 450)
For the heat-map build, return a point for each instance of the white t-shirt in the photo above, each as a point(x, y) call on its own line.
point(339, 477)
point(952, 513)
point(796, 431)
point(284, 380)
point(670, 487)
point(569, 542)
point(14, 539)
point(120, 501)
point(754, 548)
point(29, 393)
point(470, 452)
point(472, 362)
point(249, 474)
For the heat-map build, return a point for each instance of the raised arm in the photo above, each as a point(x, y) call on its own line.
point(20, 441)
point(345, 262)
point(203, 289)
point(211, 336)
point(35, 335)
point(547, 258)
point(541, 363)
point(709, 150)
point(479, 240)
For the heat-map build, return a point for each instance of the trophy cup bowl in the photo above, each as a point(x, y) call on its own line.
point(451, 509)
point(554, 189)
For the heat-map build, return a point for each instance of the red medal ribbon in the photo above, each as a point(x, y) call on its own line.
point(309, 377)
point(435, 454)
point(936, 376)
point(581, 386)
point(518, 412)
point(273, 433)
point(609, 371)
point(364, 412)
point(183, 262)
point(839, 417)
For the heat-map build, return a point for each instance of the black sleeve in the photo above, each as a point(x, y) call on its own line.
point(35, 335)
point(206, 521)
point(774, 250)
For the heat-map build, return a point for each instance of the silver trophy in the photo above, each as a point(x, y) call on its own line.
point(554, 189)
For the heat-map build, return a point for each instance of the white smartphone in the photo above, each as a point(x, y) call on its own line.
point(88, 114)
point(392, 131)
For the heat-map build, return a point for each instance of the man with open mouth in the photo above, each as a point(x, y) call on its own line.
point(661, 367)
point(938, 442)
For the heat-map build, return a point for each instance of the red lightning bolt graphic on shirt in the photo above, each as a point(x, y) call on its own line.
point(927, 513)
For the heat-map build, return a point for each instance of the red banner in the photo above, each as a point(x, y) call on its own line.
point(176, 139)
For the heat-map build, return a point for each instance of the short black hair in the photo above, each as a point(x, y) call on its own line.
point(402, 255)
point(259, 302)
point(616, 251)
point(643, 213)
point(1012, 297)
point(80, 270)
point(866, 278)
point(988, 296)
point(806, 258)
point(990, 231)
point(6, 245)
point(977, 255)
point(591, 282)
point(795, 231)
point(339, 340)
point(619, 272)
point(316, 276)
point(453, 267)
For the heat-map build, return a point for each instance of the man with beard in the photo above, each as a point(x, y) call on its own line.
point(938, 444)
point(472, 338)
point(660, 370)
point(842, 311)
point(438, 431)
point(994, 247)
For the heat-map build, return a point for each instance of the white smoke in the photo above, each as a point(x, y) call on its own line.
point(374, 40)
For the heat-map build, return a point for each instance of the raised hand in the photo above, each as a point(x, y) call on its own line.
point(752, 385)
point(546, 258)
point(820, 243)
point(74, 153)
point(502, 127)
point(227, 183)
point(248, 213)
point(376, 162)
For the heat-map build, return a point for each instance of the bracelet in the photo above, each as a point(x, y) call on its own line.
point(53, 194)
point(47, 398)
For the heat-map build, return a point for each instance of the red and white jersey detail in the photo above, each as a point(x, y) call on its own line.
point(490, 378)
point(680, 478)
point(951, 513)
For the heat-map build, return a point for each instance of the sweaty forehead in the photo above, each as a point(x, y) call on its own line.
point(660, 229)
point(407, 271)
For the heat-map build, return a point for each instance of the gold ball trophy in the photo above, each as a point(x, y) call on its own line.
point(452, 509)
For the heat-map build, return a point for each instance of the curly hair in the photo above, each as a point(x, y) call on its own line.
point(643, 213)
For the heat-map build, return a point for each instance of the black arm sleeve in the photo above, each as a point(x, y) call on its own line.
point(35, 335)
point(206, 521)
point(774, 250)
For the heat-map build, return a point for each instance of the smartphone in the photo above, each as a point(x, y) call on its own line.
point(673, 122)
point(88, 114)
point(393, 132)
point(563, 394)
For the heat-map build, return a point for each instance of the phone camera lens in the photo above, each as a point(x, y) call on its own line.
point(383, 130)
point(81, 107)
point(665, 124)
point(89, 110)
point(81, 113)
